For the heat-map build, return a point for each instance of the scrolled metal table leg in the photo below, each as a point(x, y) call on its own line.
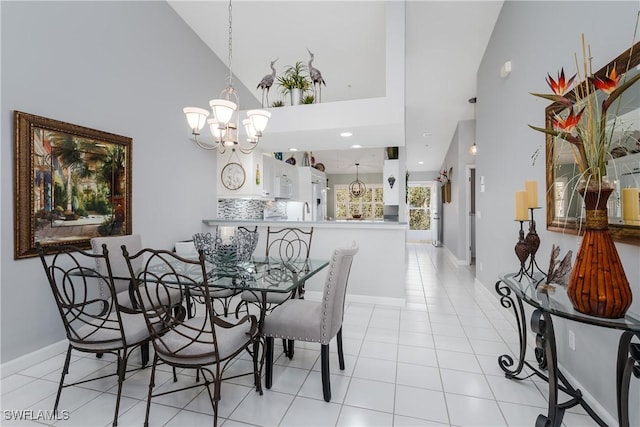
point(505, 361)
point(628, 363)
point(542, 325)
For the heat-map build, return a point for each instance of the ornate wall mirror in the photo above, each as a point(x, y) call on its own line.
point(565, 209)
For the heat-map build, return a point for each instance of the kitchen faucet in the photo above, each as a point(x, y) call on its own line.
point(306, 210)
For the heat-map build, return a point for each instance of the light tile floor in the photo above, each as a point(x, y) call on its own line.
point(431, 363)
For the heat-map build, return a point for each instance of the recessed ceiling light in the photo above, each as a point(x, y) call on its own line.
point(421, 163)
point(346, 134)
point(425, 134)
point(356, 146)
point(293, 149)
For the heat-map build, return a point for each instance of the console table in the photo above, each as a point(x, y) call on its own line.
point(550, 301)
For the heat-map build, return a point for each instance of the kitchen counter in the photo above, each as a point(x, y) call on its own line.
point(378, 273)
point(341, 223)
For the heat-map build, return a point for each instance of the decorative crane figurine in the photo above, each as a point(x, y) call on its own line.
point(267, 82)
point(316, 78)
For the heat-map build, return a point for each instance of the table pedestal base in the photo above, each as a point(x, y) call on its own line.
point(546, 357)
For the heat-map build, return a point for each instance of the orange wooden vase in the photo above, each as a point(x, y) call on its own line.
point(598, 285)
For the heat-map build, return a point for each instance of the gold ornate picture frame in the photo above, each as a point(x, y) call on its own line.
point(71, 183)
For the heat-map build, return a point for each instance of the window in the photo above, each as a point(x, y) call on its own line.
point(369, 206)
point(419, 207)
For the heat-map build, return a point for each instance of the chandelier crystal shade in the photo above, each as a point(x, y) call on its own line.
point(224, 124)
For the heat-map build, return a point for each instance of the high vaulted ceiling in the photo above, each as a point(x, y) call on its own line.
point(444, 44)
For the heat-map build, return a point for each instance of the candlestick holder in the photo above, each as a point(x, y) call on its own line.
point(522, 252)
point(532, 241)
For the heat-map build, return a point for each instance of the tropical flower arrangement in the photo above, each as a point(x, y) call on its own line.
point(585, 122)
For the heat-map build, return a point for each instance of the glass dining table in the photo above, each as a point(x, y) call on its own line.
point(259, 276)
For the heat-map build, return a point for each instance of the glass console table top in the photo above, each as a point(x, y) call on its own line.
point(553, 298)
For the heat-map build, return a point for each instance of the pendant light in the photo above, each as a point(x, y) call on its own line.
point(357, 187)
point(224, 125)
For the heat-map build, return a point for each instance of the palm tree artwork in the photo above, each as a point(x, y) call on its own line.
point(88, 180)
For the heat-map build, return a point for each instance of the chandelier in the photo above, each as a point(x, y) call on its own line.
point(357, 187)
point(224, 124)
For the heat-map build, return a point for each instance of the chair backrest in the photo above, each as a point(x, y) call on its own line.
point(118, 264)
point(335, 288)
point(163, 275)
point(289, 244)
point(74, 279)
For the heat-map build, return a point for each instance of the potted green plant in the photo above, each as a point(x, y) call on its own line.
point(308, 99)
point(295, 81)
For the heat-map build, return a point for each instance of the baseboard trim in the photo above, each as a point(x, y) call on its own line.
point(588, 397)
point(454, 260)
point(18, 364)
point(362, 299)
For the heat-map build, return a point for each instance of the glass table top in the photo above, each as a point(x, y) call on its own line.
point(553, 299)
point(261, 274)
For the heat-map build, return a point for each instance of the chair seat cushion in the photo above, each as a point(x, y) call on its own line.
point(173, 296)
point(297, 319)
point(135, 332)
point(271, 298)
point(178, 346)
point(216, 293)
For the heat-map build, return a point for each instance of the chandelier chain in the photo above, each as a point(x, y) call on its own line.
point(230, 43)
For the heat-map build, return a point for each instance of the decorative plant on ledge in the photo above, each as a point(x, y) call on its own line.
point(295, 81)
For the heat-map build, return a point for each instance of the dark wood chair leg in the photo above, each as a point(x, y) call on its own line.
point(340, 354)
point(326, 381)
point(122, 372)
point(144, 353)
point(289, 348)
point(268, 380)
point(65, 371)
point(152, 383)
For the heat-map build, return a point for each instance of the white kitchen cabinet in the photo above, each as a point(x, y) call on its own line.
point(258, 178)
point(283, 172)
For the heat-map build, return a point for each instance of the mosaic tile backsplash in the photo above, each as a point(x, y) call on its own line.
point(250, 209)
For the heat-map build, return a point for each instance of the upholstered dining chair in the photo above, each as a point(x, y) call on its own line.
point(93, 323)
point(314, 321)
point(205, 343)
point(288, 244)
point(125, 294)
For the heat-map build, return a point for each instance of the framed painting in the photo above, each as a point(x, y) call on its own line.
point(71, 183)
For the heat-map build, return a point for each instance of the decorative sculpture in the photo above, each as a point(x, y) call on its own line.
point(391, 180)
point(316, 78)
point(559, 271)
point(267, 82)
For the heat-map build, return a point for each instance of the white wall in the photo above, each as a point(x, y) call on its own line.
point(455, 214)
point(121, 67)
point(540, 38)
